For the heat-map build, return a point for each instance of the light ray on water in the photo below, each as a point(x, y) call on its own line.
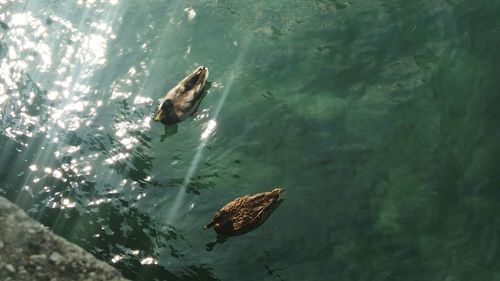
point(209, 128)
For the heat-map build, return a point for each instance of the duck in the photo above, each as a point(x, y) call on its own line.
point(245, 213)
point(182, 100)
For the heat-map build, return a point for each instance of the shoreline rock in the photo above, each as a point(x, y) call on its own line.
point(29, 251)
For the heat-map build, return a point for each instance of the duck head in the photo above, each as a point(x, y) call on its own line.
point(220, 217)
point(165, 113)
point(191, 85)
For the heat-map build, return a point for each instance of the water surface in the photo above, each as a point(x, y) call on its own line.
point(380, 118)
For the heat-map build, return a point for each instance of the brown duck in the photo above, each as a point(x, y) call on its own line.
point(245, 213)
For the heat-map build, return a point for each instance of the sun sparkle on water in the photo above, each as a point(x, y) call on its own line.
point(58, 60)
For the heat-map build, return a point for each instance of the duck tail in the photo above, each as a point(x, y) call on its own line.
point(279, 190)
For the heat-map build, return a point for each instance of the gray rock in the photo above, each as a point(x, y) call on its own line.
point(22, 270)
point(56, 258)
point(30, 251)
point(42, 258)
point(10, 268)
point(1, 244)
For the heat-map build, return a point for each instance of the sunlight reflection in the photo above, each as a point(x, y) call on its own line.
point(28, 190)
point(57, 174)
point(142, 100)
point(62, 56)
point(129, 142)
point(99, 201)
point(188, 51)
point(209, 129)
point(149, 260)
point(203, 114)
point(3, 98)
point(116, 258)
point(191, 13)
point(120, 95)
point(87, 169)
point(117, 157)
point(94, 47)
point(86, 3)
point(67, 203)
point(72, 149)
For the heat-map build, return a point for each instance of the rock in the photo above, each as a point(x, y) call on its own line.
point(38, 258)
point(22, 270)
point(35, 253)
point(55, 258)
point(10, 268)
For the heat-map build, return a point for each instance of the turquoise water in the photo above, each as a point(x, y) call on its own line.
point(380, 118)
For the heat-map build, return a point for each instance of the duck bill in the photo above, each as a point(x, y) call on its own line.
point(209, 225)
point(160, 115)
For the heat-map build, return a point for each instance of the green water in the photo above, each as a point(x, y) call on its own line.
point(380, 118)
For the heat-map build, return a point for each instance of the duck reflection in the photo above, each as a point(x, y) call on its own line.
point(168, 132)
point(220, 239)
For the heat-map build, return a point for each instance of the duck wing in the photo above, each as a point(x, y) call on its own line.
point(251, 211)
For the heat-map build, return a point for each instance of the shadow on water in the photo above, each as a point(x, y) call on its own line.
point(266, 259)
point(168, 132)
point(4, 26)
point(220, 239)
